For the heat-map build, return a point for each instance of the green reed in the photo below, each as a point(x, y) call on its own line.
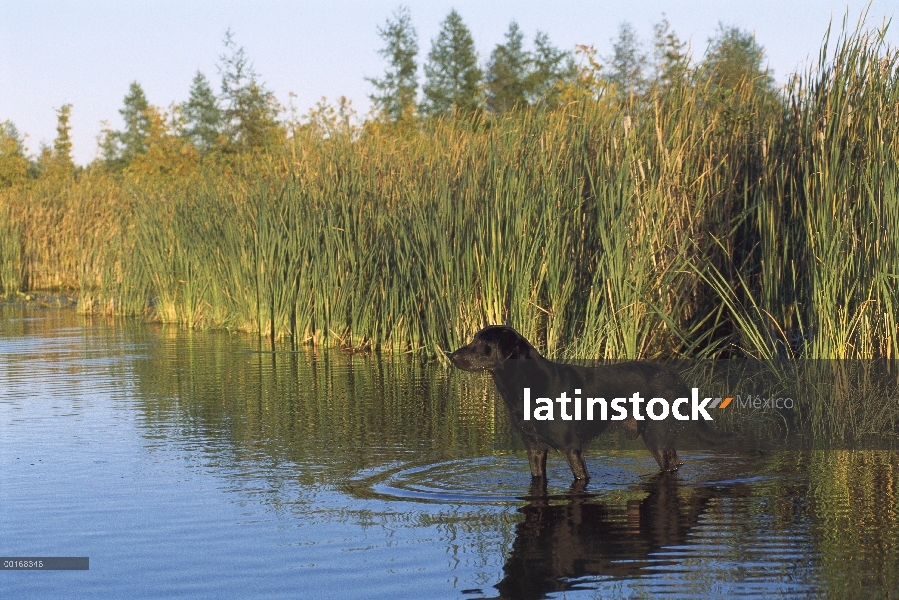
point(821, 220)
point(690, 222)
point(11, 275)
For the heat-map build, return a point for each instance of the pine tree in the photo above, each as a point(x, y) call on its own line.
point(251, 111)
point(62, 145)
point(670, 58)
point(395, 97)
point(733, 57)
point(453, 79)
point(551, 69)
point(203, 119)
point(627, 63)
point(507, 73)
point(121, 147)
point(109, 146)
point(14, 165)
point(137, 125)
point(166, 149)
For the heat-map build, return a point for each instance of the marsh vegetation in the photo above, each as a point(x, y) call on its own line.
point(647, 209)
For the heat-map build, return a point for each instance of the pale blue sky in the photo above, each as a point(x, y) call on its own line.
point(87, 52)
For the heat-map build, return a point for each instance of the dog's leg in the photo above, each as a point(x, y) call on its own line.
point(577, 463)
point(660, 442)
point(577, 488)
point(631, 428)
point(537, 494)
point(537, 460)
point(672, 460)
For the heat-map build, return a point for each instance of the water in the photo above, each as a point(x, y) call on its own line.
point(193, 465)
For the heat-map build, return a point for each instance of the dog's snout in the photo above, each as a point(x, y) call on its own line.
point(454, 355)
point(467, 359)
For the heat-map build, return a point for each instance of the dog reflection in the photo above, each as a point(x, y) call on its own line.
point(558, 543)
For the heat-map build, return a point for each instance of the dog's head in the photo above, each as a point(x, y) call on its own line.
point(490, 346)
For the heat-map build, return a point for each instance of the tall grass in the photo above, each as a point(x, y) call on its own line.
point(551, 221)
point(688, 223)
point(11, 275)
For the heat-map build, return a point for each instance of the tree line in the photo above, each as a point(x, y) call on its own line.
point(244, 116)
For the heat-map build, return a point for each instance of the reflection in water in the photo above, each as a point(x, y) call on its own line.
point(559, 543)
point(209, 468)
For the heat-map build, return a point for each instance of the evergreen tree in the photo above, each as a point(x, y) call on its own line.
point(670, 58)
point(121, 147)
point(14, 165)
point(734, 56)
point(165, 147)
point(395, 97)
point(453, 79)
point(507, 73)
point(109, 146)
point(62, 145)
point(203, 119)
point(251, 111)
point(627, 63)
point(137, 125)
point(551, 69)
point(12, 142)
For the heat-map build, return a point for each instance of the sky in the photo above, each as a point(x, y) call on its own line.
point(87, 52)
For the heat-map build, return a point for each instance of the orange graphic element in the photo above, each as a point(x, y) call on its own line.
point(725, 403)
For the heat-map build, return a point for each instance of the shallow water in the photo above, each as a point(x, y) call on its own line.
point(195, 465)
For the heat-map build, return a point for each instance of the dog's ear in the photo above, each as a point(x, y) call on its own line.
point(513, 345)
point(525, 350)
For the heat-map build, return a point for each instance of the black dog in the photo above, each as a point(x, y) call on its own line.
point(516, 365)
